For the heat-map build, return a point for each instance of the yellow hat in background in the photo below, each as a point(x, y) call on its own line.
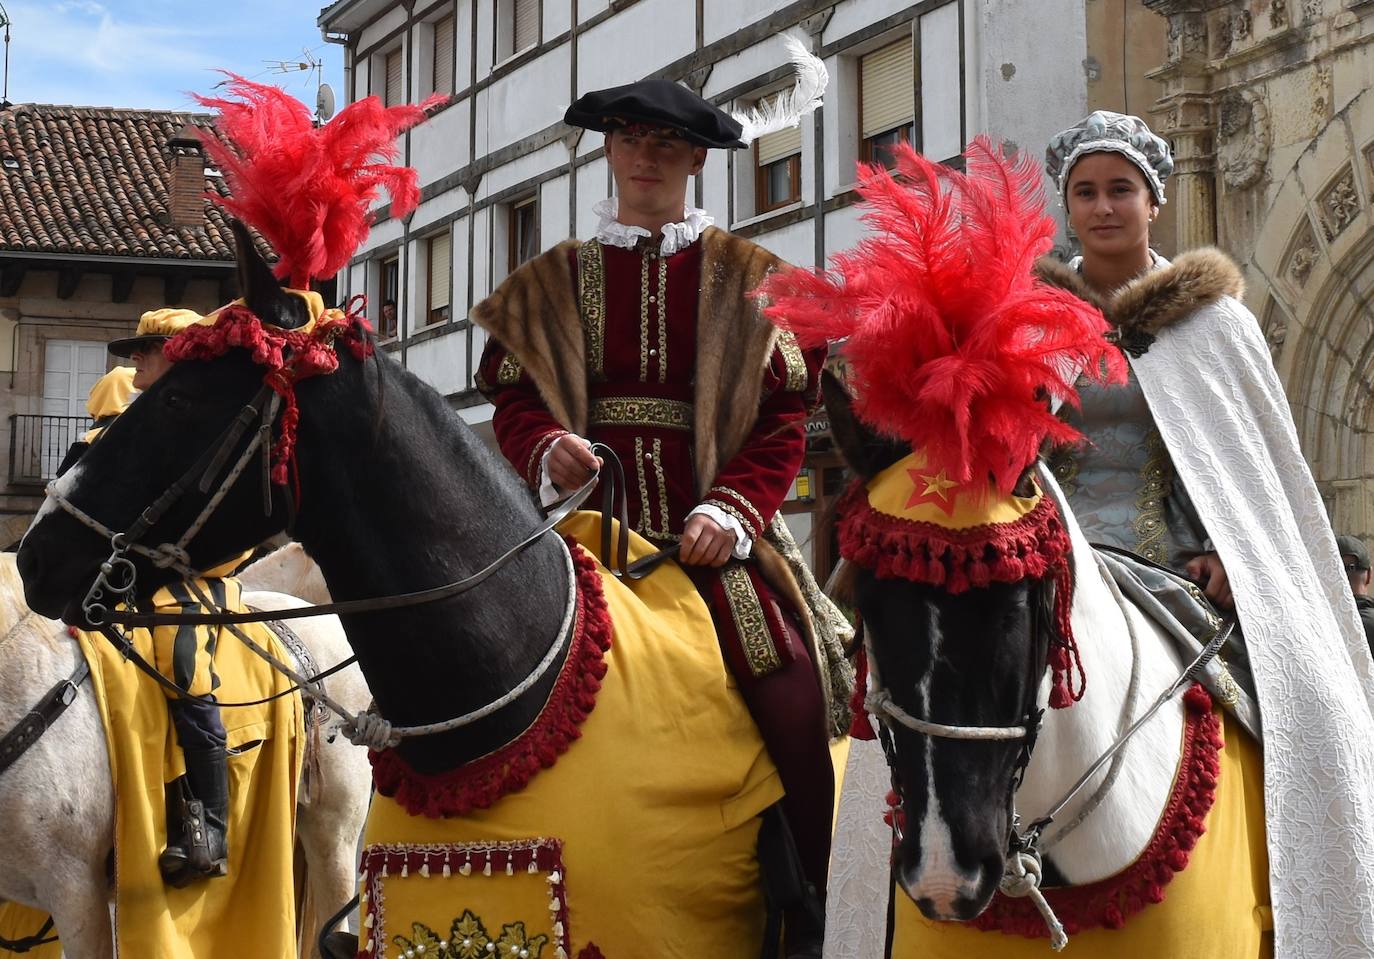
point(112, 393)
point(155, 326)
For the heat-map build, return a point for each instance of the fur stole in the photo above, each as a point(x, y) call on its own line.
point(1153, 301)
point(535, 314)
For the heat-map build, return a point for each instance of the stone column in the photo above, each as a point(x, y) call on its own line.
point(1185, 115)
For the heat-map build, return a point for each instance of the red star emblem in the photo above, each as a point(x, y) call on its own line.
point(936, 489)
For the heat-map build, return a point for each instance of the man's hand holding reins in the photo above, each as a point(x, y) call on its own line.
point(571, 462)
point(705, 542)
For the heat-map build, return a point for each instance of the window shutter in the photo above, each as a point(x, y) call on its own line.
point(889, 88)
point(526, 24)
point(776, 146)
point(393, 94)
point(440, 266)
point(443, 56)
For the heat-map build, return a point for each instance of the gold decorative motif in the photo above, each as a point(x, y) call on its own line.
point(1155, 483)
point(1227, 687)
point(510, 370)
point(591, 294)
point(532, 468)
point(641, 411)
point(644, 317)
point(662, 319)
point(750, 621)
point(738, 497)
point(662, 492)
point(793, 361)
point(725, 507)
point(469, 939)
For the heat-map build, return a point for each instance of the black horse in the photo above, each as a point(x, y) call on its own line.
point(397, 495)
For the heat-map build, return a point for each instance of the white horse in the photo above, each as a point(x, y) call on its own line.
point(288, 570)
point(57, 802)
point(952, 851)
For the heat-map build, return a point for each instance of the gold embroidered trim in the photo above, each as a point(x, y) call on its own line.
point(532, 471)
point(642, 527)
point(591, 295)
point(750, 621)
point(640, 411)
point(725, 507)
point(510, 370)
point(662, 319)
point(743, 500)
point(662, 490)
point(1149, 523)
point(793, 361)
point(644, 318)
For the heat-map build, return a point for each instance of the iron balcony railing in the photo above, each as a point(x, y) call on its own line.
point(39, 443)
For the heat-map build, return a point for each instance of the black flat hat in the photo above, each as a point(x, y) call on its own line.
point(658, 103)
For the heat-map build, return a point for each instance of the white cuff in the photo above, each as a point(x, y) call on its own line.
point(549, 493)
point(744, 544)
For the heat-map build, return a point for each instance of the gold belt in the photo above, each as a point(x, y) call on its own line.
point(641, 411)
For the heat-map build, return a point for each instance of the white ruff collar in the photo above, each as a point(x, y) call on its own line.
point(676, 236)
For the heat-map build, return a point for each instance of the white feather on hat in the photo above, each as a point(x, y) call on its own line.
point(786, 110)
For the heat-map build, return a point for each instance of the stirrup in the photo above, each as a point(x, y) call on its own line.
point(192, 859)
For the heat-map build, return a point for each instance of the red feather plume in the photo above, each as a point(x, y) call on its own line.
point(308, 189)
point(951, 343)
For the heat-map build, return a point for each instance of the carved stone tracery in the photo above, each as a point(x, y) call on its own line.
point(1340, 204)
point(1243, 138)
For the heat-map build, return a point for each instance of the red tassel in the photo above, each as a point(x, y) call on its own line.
point(860, 727)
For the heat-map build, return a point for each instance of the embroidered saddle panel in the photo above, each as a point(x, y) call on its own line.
point(638, 840)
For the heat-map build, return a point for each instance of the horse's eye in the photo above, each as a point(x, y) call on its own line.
point(175, 400)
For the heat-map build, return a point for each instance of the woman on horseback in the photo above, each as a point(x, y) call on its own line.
point(1194, 465)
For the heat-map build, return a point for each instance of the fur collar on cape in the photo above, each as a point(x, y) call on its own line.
point(1156, 300)
point(535, 314)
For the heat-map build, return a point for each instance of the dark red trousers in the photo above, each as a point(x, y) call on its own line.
point(789, 710)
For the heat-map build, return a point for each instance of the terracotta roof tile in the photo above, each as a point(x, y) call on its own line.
point(95, 181)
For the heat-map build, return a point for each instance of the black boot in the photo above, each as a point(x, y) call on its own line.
point(203, 850)
point(787, 891)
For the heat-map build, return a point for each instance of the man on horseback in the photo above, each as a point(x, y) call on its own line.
point(185, 656)
point(656, 350)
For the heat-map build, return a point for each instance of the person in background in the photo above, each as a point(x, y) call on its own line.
point(387, 327)
point(1355, 559)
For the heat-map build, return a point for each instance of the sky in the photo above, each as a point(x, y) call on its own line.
point(150, 54)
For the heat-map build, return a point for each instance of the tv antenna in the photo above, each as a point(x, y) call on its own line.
point(324, 95)
point(5, 22)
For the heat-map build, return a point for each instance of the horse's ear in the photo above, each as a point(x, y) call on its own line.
point(863, 451)
point(259, 287)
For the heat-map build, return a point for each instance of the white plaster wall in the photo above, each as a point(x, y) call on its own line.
point(482, 226)
point(796, 243)
point(557, 17)
point(591, 187)
point(553, 212)
point(552, 157)
point(461, 302)
point(440, 145)
point(715, 185)
point(723, 17)
point(853, 15)
point(843, 230)
point(394, 19)
point(529, 99)
point(607, 55)
point(586, 9)
point(441, 362)
point(440, 206)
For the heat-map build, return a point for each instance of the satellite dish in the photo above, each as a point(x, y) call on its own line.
point(324, 103)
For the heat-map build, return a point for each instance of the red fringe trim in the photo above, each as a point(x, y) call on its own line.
point(479, 784)
point(1036, 545)
point(1111, 901)
point(860, 726)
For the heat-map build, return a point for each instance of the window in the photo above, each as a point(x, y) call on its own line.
point(390, 288)
point(440, 272)
point(777, 157)
point(517, 28)
point(887, 101)
point(524, 231)
point(441, 76)
point(393, 89)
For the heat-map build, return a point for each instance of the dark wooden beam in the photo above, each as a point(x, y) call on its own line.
point(228, 288)
point(121, 285)
point(174, 287)
point(11, 278)
point(67, 280)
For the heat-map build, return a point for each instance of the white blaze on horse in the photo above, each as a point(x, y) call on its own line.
point(57, 806)
point(1006, 671)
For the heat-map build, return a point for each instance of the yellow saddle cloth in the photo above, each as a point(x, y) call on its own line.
point(1216, 907)
point(251, 912)
point(18, 923)
point(638, 842)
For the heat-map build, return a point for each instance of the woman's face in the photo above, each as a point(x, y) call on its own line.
point(1110, 207)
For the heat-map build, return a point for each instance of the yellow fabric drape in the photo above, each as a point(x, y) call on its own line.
point(250, 912)
point(19, 922)
point(661, 792)
point(1217, 906)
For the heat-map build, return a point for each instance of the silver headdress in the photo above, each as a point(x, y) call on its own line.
point(1108, 132)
